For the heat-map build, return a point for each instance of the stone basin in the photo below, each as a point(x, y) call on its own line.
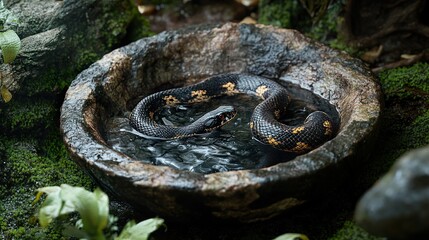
point(113, 85)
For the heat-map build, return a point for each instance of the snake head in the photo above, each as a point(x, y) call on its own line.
point(218, 117)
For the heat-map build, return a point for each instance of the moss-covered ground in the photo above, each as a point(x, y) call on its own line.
point(32, 154)
point(28, 164)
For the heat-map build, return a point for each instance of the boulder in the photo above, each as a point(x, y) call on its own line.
point(59, 39)
point(397, 206)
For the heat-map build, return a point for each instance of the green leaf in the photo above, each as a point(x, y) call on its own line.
point(92, 208)
point(5, 94)
point(292, 236)
point(53, 206)
point(140, 231)
point(10, 45)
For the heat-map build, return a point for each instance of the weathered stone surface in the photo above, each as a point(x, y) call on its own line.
point(397, 206)
point(59, 39)
point(115, 84)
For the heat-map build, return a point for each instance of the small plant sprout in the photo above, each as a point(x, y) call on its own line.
point(93, 208)
point(10, 44)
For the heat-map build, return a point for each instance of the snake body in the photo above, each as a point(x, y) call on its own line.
point(316, 129)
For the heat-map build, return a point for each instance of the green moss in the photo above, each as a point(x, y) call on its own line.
point(326, 28)
point(279, 13)
point(115, 26)
point(138, 28)
point(417, 133)
point(291, 14)
point(350, 231)
point(26, 114)
point(84, 60)
point(406, 82)
point(53, 81)
point(28, 164)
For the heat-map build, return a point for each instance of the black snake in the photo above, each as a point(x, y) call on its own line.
point(265, 126)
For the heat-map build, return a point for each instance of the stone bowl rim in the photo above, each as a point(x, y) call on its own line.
point(196, 182)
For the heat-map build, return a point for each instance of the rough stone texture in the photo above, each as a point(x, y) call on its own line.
point(397, 206)
point(59, 36)
point(59, 39)
point(115, 84)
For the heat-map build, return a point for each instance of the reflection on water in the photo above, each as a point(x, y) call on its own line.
point(230, 148)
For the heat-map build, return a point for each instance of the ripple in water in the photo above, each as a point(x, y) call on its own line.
point(230, 148)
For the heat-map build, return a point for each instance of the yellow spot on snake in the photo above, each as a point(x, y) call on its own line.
point(297, 130)
point(328, 127)
point(301, 147)
point(251, 124)
point(273, 141)
point(170, 100)
point(277, 114)
point(230, 88)
point(261, 90)
point(199, 96)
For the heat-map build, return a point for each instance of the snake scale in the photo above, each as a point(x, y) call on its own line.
point(266, 128)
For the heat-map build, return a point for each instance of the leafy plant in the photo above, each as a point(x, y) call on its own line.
point(292, 236)
point(10, 44)
point(93, 208)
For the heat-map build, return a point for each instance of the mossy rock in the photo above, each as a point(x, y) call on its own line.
point(56, 46)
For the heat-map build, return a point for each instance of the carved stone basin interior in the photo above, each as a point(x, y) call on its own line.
point(112, 86)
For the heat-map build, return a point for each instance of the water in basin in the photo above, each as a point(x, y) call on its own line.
point(230, 148)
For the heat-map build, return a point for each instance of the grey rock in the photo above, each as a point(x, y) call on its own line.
point(397, 206)
point(113, 85)
point(59, 37)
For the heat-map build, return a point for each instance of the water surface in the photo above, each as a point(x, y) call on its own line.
point(230, 148)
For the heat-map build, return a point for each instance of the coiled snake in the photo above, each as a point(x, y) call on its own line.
point(264, 124)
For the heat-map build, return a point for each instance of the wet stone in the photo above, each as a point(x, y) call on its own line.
point(397, 206)
point(224, 175)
